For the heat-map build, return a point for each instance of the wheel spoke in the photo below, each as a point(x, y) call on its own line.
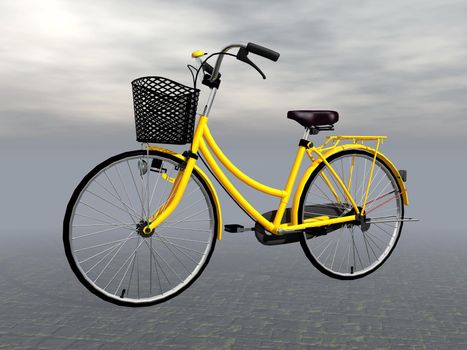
point(136, 188)
point(121, 267)
point(189, 207)
point(117, 197)
point(346, 252)
point(383, 230)
point(111, 259)
point(96, 219)
point(371, 248)
point(380, 197)
point(124, 275)
point(336, 184)
point(152, 251)
point(188, 256)
point(124, 187)
point(385, 202)
point(335, 251)
point(107, 225)
point(330, 241)
point(103, 258)
point(101, 252)
point(104, 244)
point(319, 188)
point(166, 263)
point(372, 189)
point(184, 228)
point(188, 217)
point(102, 231)
point(104, 218)
point(366, 247)
point(180, 246)
point(99, 211)
point(364, 182)
point(176, 256)
point(371, 183)
point(157, 182)
point(182, 239)
point(131, 274)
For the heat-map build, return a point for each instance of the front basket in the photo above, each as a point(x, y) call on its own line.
point(165, 110)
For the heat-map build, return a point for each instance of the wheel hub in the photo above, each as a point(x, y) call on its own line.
point(360, 221)
point(364, 223)
point(140, 229)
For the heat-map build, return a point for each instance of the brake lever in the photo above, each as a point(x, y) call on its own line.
point(242, 55)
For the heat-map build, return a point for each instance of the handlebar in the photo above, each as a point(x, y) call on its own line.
point(263, 51)
point(242, 56)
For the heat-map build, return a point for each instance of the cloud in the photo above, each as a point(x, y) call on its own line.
point(384, 66)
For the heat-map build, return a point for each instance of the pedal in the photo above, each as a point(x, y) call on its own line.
point(233, 228)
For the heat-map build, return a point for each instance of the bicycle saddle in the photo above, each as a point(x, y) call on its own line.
point(309, 119)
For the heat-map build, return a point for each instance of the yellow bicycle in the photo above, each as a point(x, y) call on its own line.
point(142, 225)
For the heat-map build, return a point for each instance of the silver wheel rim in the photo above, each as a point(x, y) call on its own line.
point(104, 241)
point(350, 251)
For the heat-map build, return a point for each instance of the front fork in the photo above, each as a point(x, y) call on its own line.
point(174, 198)
point(181, 181)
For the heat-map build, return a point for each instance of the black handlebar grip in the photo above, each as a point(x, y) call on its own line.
point(263, 51)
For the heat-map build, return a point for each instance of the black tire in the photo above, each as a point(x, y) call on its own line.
point(134, 302)
point(307, 237)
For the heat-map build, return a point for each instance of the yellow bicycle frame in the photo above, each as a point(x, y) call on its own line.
point(203, 139)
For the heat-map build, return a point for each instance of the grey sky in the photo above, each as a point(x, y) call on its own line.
point(395, 68)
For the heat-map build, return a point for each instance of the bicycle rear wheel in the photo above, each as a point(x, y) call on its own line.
point(104, 219)
point(352, 250)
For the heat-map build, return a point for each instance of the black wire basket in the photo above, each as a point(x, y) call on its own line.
point(165, 110)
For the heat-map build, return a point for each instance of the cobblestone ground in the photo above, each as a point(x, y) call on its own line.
point(249, 297)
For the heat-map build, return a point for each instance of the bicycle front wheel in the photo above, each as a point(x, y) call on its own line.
point(352, 250)
point(102, 229)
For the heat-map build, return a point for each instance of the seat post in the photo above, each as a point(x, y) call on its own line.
point(306, 134)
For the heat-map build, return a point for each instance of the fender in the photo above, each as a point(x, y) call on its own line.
point(208, 182)
point(312, 167)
